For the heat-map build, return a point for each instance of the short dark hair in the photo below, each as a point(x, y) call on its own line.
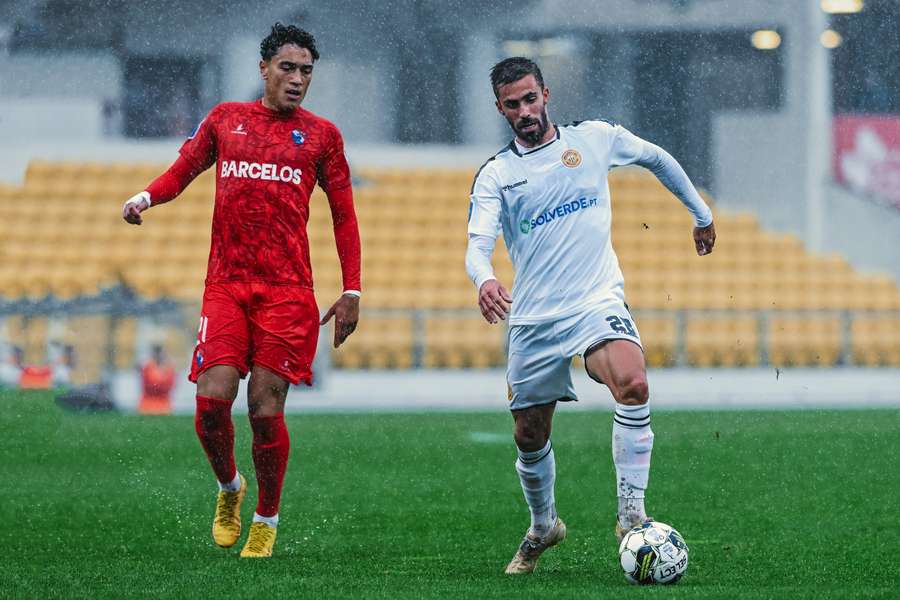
point(513, 69)
point(287, 34)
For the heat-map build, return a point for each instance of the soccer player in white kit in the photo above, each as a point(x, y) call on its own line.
point(548, 193)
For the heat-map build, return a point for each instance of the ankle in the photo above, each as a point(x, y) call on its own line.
point(232, 486)
point(270, 521)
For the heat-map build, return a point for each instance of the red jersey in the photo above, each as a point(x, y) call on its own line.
point(267, 165)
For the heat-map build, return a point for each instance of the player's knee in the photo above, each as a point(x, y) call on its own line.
point(218, 383)
point(266, 401)
point(267, 394)
point(530, 436)
point(634, 390)
point(268, 405)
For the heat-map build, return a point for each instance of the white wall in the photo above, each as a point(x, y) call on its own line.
point(50, 119)
point(756, 168)
point(866, 232)
point(60, 75)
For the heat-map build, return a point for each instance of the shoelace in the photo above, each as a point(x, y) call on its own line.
point(225, 512)
point(259, 538)
point(529, 546)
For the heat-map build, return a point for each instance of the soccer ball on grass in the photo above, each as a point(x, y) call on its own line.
point(653, 552)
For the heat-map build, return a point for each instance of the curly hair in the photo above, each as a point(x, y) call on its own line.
point(514, 69)
point(287, 34)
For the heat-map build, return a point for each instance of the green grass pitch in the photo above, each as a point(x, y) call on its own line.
point(778, 504)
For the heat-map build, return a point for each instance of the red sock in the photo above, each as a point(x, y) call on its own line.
point(271, 446)
point(216, 432)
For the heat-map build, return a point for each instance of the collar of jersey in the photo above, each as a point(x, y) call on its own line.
point(275, 114)
point(515, 148)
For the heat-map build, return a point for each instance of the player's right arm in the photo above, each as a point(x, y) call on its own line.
point(197, 154)
point(484, 227)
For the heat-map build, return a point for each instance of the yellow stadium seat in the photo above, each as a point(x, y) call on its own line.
point(464, 341)
point(875, 341)
point(380, 341)
point(659, 338)
point(722, 341)
point(804, 341)
point(412, 226)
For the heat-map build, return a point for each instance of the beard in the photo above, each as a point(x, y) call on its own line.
point(535, 135)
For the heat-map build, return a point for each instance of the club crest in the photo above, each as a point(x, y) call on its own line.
point(571, 158)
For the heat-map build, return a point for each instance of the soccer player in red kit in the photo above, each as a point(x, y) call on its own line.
point(259, 314)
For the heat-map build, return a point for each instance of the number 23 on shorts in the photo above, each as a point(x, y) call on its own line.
point(621, 325)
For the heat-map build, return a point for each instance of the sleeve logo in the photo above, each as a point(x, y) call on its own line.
point(196, 129)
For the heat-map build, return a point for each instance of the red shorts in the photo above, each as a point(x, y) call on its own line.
point(249, 323)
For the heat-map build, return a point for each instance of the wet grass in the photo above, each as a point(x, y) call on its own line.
point(772, 504)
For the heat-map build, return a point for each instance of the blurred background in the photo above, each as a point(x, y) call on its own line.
point(786, 114)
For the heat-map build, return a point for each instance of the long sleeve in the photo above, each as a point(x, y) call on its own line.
point(172, 182)
point(483, 227)
point(346, 235)
point(630, 149)
point(478, 258)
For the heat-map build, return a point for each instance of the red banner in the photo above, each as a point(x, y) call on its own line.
point(867, 154)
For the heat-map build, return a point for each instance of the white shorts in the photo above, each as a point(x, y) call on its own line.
point(540, 356)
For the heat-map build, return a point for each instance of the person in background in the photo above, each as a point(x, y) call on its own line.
point(62, 365)
point(11, 367)
point(157, 382)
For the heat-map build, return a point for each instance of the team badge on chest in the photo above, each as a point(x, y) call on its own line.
point(571, 158)
point(298, 136)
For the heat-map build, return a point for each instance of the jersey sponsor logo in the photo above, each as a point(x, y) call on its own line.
point(298, 136)
point(563, 210)
point(239, 130)
point(512, 186)
point(571, 158)
point(264, 171)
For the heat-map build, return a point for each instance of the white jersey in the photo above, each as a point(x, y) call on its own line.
point(552, 205)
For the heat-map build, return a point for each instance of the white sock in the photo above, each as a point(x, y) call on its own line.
point(270, 521)
point(631, 511)
point(632, 444)
point(537, 473)
point(233, 485)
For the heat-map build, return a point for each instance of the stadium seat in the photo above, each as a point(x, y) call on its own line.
point(463, 341)
point(722, 341)
point(804, 341)
point(412, 226)
point(380, 341)
point(659, 338)
point(875, 341)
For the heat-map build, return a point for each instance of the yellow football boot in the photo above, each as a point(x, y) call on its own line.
point(532, 547)
point(226, 528)
point(260, 541)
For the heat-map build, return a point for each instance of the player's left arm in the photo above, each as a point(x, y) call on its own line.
point(630, 149)
point(334, 178)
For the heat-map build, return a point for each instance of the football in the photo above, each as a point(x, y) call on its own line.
point(653, 552)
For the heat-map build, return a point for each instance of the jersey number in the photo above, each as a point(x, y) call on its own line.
point(621, 325)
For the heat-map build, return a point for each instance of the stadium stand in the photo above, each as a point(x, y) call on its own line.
point(760, 296)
